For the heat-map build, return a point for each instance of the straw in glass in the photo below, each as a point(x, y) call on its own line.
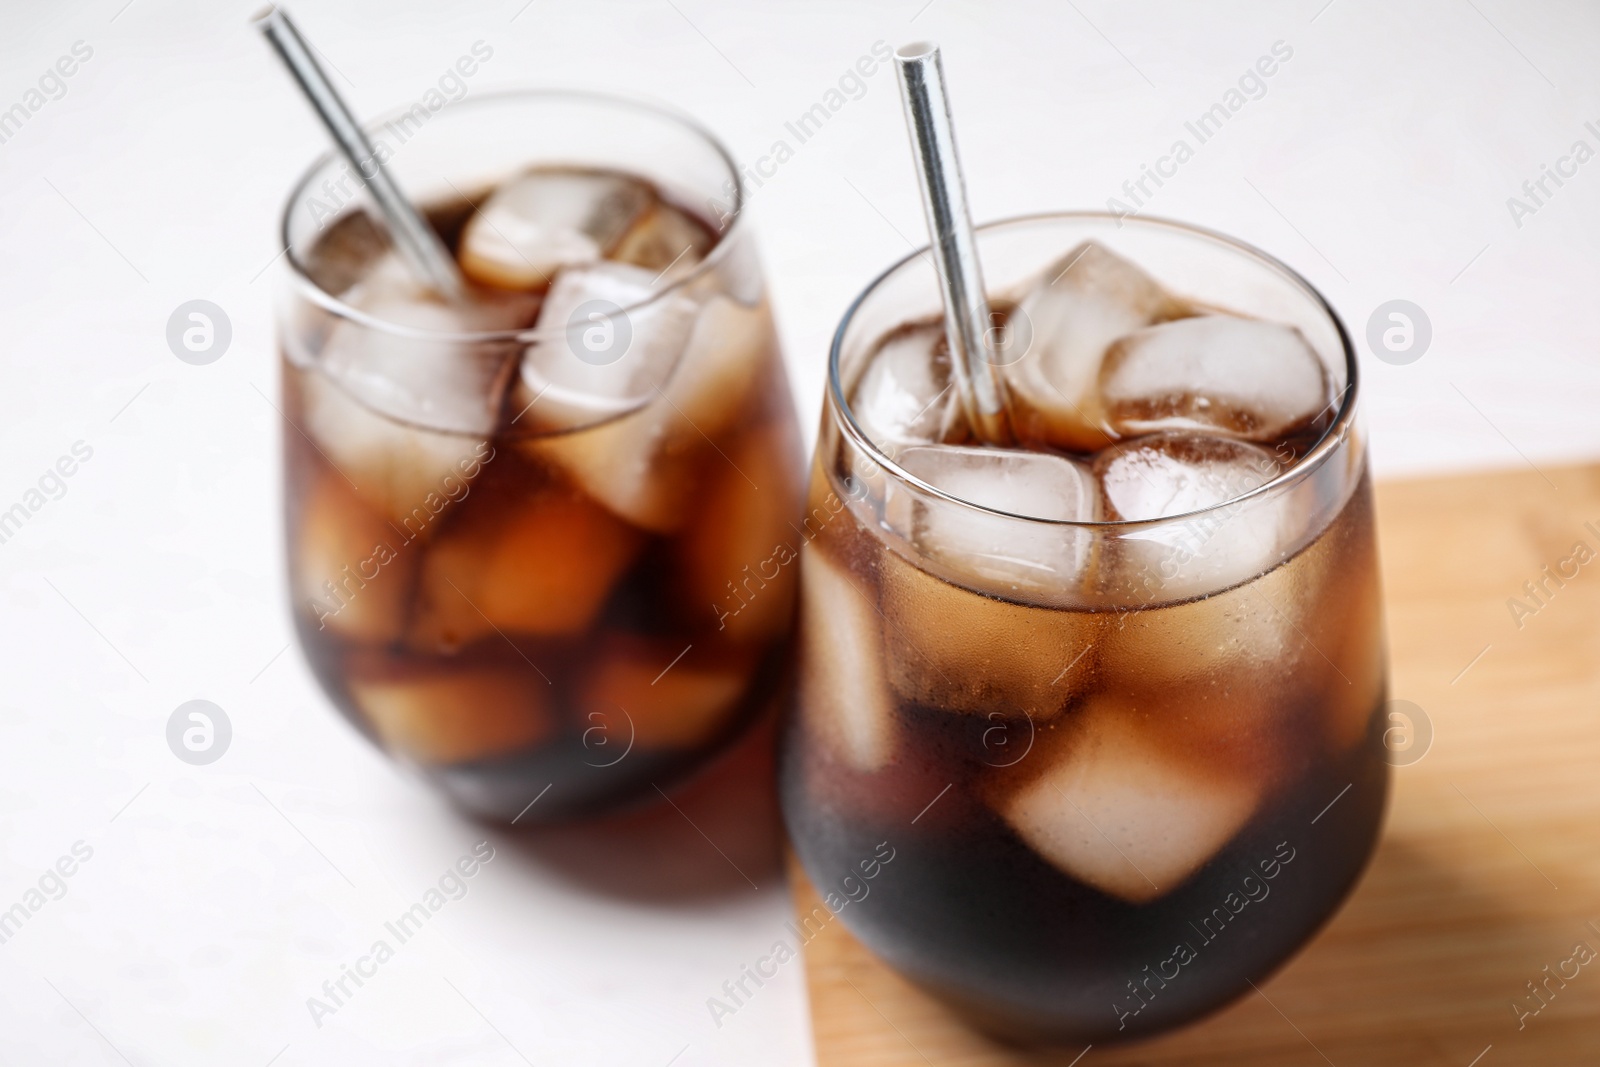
point(430, 261)
point(973, 358)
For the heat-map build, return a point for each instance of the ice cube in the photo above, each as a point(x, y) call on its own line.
point(352, 573)
point(843, 693)
point(422, 369)
point(905, 396)
point(1220, 373)
point(536, 224)
point(544, 567)
point(407, 474)
point(1172, 474)
point(959, 650)
point(736, 564)
point(664, 240)
point(1116, 809)
point(1008, 557)
point(612, 338)
point(1051, 350)
point(659, 694)
point(647, 465)
point(347, 250)
point(1176, 473)
point(443, 717)
point(404, 414)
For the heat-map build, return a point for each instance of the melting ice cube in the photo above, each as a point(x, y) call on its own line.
point(1173, 474)
point(996, 553)
point(403, 411)
point(906, 396)
point(536, 224)
point(1115, 809)
point(1052, 348)
point(1220, 373)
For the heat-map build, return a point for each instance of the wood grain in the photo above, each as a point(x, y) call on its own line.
point(1489, 866)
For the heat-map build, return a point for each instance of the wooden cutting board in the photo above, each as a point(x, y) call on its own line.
point(1489, 866)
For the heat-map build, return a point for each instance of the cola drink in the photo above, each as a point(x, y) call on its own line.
point(1113, 693)
point(535, 537)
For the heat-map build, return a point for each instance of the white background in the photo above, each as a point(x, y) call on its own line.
point(1378, 162)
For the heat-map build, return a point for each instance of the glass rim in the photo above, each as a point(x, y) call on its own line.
point(305, 286)
point(1326, 445)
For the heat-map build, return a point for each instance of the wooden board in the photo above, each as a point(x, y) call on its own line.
point(1489, 866)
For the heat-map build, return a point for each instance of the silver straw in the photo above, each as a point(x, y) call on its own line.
point(944, 199)
point(421, 248)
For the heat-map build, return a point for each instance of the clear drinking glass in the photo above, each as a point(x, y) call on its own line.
point(1120, 769)
point(535, 559)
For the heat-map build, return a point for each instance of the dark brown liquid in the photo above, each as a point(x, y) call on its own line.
point(510, 634)
point(1286, 714)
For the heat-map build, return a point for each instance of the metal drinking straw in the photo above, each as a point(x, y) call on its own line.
point(421, 248)
point(955, 253)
